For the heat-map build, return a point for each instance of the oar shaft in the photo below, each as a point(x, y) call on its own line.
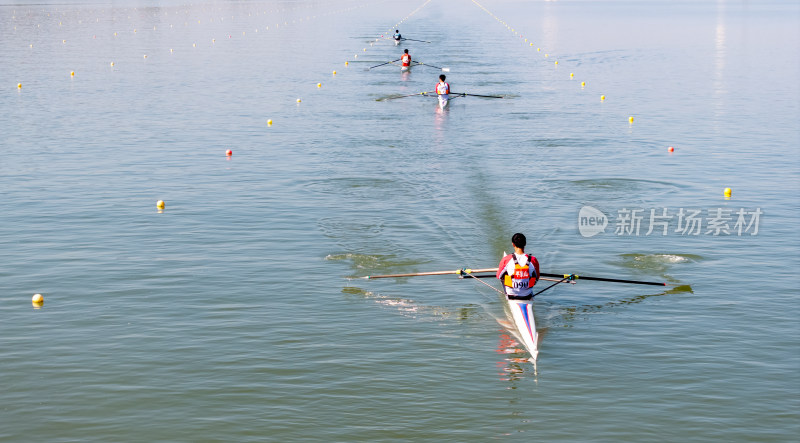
point(427, 64)
point(383, 64)
point(477, 95)
point(416, 274)
point(612, 280)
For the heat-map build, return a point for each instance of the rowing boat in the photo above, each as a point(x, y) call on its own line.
point(397, 42)
point(443, 102)
point(524, 324)
point(405, 68)
point(521, 312)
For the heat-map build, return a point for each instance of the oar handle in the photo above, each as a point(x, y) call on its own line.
point(541, 278)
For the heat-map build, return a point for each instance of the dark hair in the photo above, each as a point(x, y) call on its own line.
point(396, 30)
point(406, 51)
point(442, 77)
point(518, 240)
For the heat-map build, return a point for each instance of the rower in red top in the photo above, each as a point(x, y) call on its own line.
point(443, 90)
point(406, 59)
point(519, 271)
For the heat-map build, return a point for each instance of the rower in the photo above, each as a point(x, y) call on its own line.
point(519, 271)
point(443, 89)
point(397, 37)
point(406, 59)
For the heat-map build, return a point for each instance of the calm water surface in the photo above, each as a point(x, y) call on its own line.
point(228, 316)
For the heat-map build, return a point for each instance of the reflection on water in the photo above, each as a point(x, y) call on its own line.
point(570, 314)
point(510, 368)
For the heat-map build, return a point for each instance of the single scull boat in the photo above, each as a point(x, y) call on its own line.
point(524, 324)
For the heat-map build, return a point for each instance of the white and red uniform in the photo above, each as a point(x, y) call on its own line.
point(519, 273)
point(406, 58)
point(443, 89)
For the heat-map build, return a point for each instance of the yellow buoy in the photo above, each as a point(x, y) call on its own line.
point(19, 85)
point(269, 122)
point(602, 97)
point(72, 73)
point(538, 49)
point(346, 63)
point(319, 85)
point(630, 119)
point(112, 63)
point(583, 84)
point(145, 56)
point(571, 75)
point(298, 100)
point(727, 192)
point(334, 72)
point(160, 204)
point(556, 62)
point(37, 299)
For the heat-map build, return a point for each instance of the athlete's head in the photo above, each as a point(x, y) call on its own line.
point(406, 51)
point(442, 77)
point(518, 240)
point(396, 30)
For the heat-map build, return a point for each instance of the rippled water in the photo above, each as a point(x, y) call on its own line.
point(229, 316)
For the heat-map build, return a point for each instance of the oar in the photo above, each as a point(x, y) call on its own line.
point(367, 69)
point(432, 66)
point(580, 277)
point(419, 274)
point(612, 280)
point(401, 96)
point(477, 95)
point(459, 272)
point(413, 40)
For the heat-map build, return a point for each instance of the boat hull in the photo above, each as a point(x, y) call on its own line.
point(521, 312)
